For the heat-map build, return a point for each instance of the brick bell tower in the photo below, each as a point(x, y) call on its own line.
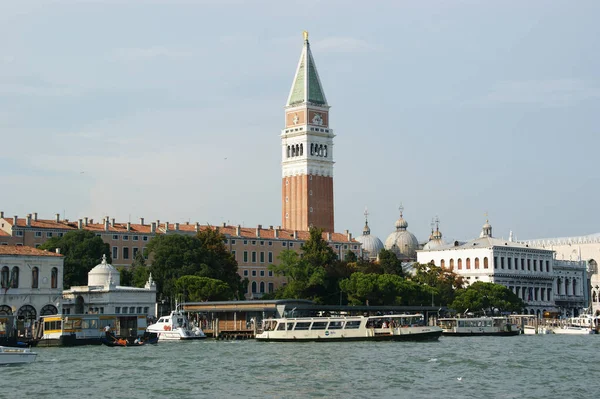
point(307, 151)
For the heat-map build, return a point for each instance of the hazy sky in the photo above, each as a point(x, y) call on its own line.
point(172, 110)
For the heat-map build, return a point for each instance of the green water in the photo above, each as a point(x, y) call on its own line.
point(547, 366)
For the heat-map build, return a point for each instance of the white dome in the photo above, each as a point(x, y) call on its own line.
point(103, 273)
point(371, 244)
point(402, 242)
point(434, 244)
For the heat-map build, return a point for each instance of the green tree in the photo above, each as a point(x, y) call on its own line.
point(82, 250)
point(390, 263)
point(382, 289)
point(136, 275)
point(439, 282)
point(303, 277)
point(487, 298)
point(196, 289)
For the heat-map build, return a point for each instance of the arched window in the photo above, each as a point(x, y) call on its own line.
point(262, 287)
point(321, 150)
point(468, 263)
point(485, 263)
point(5, 277)
point(325, 151)
point(14, 278)
point(459, 263)
point(35, 275)
point(312, 149)
point(566, 286)
point(451, 264)
point(558, 284)
point(594, 297)
point(27, 312)
point(297, 150)
point(254, 287)
point(5, 310)
point(574, 287)
point(48, 310)
point(288, 151)
point(54, 278)
point(476, 263)
point(301, 149)
point(442, 263)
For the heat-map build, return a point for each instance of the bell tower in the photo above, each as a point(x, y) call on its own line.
point(307, 151)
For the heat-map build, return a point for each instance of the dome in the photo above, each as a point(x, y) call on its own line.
point(402, 242)
point(103, 273)
point(370, 244)
point(434, 244)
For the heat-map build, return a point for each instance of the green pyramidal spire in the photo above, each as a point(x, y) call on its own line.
point(307, 85)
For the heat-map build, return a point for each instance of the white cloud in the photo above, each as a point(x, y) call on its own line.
point(550, 93)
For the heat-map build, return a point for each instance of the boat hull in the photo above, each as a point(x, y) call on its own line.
point(574, 331)
point(482, 334)
point(424, 336)
point(13, 356)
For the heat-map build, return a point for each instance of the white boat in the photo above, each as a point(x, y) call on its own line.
point(349, 328)
point(10, 355)
point(539, 329)
point(478, 326)
point(175, 327)
point(581, 325)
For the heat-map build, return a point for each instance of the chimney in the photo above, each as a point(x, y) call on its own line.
point(142, 221)
point(153, 227)
point(328, 236)
point(346, 232)
point(57, 217)
point(80, 224)
point(85, 221)
point(1, 214)
point(58, 251)
point(176, 226)
point(295, 234)
point(238, 230)
point(91, 221)
point(258, 230)
point(224, 224)
point(105, 224)
point(28, 219)
point(276, 232)
point(187, 223)
point(349, 236)
point(15, 218)
point(166, 226)
point(112, 222)
point(35, 216)
point(128, 226)
point(197, 227)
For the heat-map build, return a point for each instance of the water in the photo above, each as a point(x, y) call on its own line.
point(455, 367)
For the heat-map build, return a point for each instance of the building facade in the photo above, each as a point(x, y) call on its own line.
point(255, 249)
point(31, 283)
point(105, 294)
point(531, 273)
point(307, 152)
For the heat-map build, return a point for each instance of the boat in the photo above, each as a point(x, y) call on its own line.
point(9, 355)
point(112, 341)
point(530, 324)
point(580, 325)
point(478, 326)
point(175, 327)
point(88, 329)
point(349, 328)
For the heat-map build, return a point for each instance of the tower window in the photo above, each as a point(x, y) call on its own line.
point(287, 199)
point(287, 215)
point(311, 209)
point(310, 192)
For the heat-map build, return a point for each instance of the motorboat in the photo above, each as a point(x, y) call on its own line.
point(175, 327)
point(9, 355)
point(349, 328)
point(580, 325)
point(478, 326)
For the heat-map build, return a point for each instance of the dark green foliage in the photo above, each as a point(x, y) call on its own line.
point(441, 282)
point(383, 289)
point(82, 250)
point(389, 263)
point(197, 289)
point(487, 297)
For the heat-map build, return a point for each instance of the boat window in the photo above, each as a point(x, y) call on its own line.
point(319, 325)
point(351, 325)
point(290, 326)
point(281, 327)
point(51, 325)
point(302, 326)
point(336, 325)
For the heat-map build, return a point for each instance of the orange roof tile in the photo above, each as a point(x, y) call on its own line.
point(22, 250)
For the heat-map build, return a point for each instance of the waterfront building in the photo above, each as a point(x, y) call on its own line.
point(402, 242)
point(307, 151)
point(526, 271)
point(105, 294)
point(371, 245)
point(255, 249)
point(577, 249)
point(31, 283)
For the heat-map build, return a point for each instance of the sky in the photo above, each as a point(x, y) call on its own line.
point(173, 110)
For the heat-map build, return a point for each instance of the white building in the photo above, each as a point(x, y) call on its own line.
point(577, 249)
point(104, 294)
point(31, 283)
point(526, 271)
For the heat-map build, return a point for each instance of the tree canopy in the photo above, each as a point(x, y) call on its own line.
point(382, 290)
point(197, 289)
point(487, 298)
point(82, 250)
point(202, 255)
point(136, 275)
point(440, 282)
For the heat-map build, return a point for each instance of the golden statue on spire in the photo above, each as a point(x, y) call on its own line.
point(305, 34)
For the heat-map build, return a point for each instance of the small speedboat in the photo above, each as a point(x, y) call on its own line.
point(10, 355)
point(175, 327)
